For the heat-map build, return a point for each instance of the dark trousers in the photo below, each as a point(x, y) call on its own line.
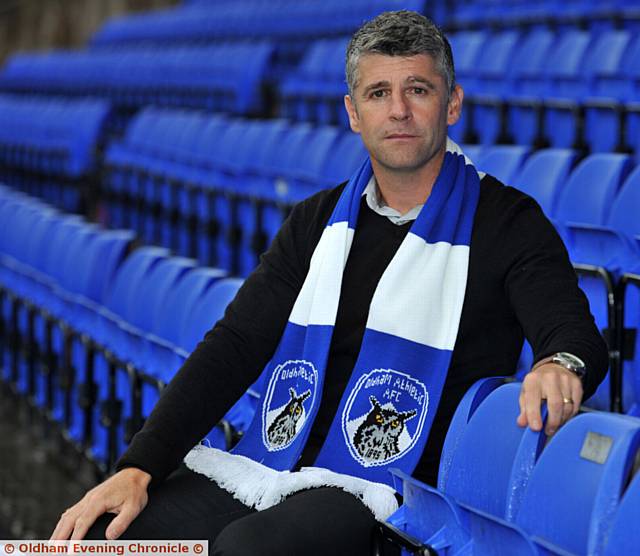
point(187, 505)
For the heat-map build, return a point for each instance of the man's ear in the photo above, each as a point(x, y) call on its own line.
point(354, 120)
point(454, 109)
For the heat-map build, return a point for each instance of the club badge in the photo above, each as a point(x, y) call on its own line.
point(289, 398)
point(384, 416)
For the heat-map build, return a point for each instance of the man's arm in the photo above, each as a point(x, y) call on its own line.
point(543, 289)
point(216, 374)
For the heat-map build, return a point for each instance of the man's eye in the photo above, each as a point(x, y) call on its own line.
point(419, 90)
point(378, 94)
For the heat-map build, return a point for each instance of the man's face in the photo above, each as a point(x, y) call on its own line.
point(400, 109)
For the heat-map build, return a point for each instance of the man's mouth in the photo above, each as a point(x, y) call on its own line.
point(400, 136)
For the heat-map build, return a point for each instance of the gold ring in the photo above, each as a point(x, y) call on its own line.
point(567, 400)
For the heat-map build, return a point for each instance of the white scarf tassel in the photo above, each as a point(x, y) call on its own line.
point(261, 487)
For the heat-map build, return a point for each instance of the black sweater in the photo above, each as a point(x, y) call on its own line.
point(520, 283)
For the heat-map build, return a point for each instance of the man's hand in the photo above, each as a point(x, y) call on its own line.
point(562, 390)
point(124, 494)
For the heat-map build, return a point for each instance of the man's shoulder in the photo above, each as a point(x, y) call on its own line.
point(319, 206)
point(500, 199)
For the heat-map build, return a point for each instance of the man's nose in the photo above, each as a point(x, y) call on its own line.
point(400, 109)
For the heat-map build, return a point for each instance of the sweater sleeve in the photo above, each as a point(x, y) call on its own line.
point(543, 289)
point(229, 358)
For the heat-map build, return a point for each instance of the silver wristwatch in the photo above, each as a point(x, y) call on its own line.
point(570, 362)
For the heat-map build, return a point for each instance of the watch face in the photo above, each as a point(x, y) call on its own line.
point(572, 360)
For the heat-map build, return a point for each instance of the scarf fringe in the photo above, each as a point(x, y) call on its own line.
point(261, 487)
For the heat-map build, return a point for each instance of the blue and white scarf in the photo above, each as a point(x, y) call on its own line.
point(388, 406)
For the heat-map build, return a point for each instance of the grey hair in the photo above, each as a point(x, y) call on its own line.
point(400, 33)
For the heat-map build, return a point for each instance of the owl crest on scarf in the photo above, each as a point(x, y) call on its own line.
point(377, 436)
point(283, 428)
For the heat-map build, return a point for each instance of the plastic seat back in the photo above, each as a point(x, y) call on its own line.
point(592, 186)
point(606, 57)
point(349, 153)
point(482, 472)
point(208, 311)
point(529, 56)
point(544, 174)
point(130, 276)
point(492, 63)
point(106, 255)
point(624, 535)
point(624, 215)
point(576, 485)
point(157, 285)
point(503, 161)
point(564, 64)
point(466, 47)
point(182, 300)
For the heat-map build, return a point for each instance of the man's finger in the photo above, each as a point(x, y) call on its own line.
point(532, 400)
point(64, 526)
point(121, 522)
point(522, 418)
point(555, 407)
point(86, 520)
point(567, 407)
point(576, 396)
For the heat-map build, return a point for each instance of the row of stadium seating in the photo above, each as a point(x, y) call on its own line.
point(92, 348)
point(518, 492)
point(275, 161)
point(597, 14)
point(57, 137)
point(218, 189)
point(282, 20)
point(52, 146)
point(567, 89)
point(219, 78)
point(93, 325)
point(288, 20)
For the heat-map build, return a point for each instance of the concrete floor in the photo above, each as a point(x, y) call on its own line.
point(39, 475)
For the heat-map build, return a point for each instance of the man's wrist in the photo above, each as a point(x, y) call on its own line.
point(138, 475)
point(568, 361)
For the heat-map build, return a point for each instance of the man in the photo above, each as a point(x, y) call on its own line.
point(379, 303)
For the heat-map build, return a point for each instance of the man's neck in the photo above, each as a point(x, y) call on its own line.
point(404, 190)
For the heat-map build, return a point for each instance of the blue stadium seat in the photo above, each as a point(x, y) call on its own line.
point(592, 186)
point(349, 154)
point(575, 487)
point(623, 219)
point(543, 176)
point(485, 84)
point(583, 207)
point(209, 310)
point(314, 92)
point(604, 105)
point(466, 47)
point(159, 359)
point(572, 493)
point(557, 75)
point(624, 535)
point(473, 152)
point(503, 161)
point(479, 469)
point(571, 87)
point(108, 333)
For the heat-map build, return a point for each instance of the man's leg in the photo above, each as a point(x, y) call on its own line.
point(318, 521)
point(186, 505)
